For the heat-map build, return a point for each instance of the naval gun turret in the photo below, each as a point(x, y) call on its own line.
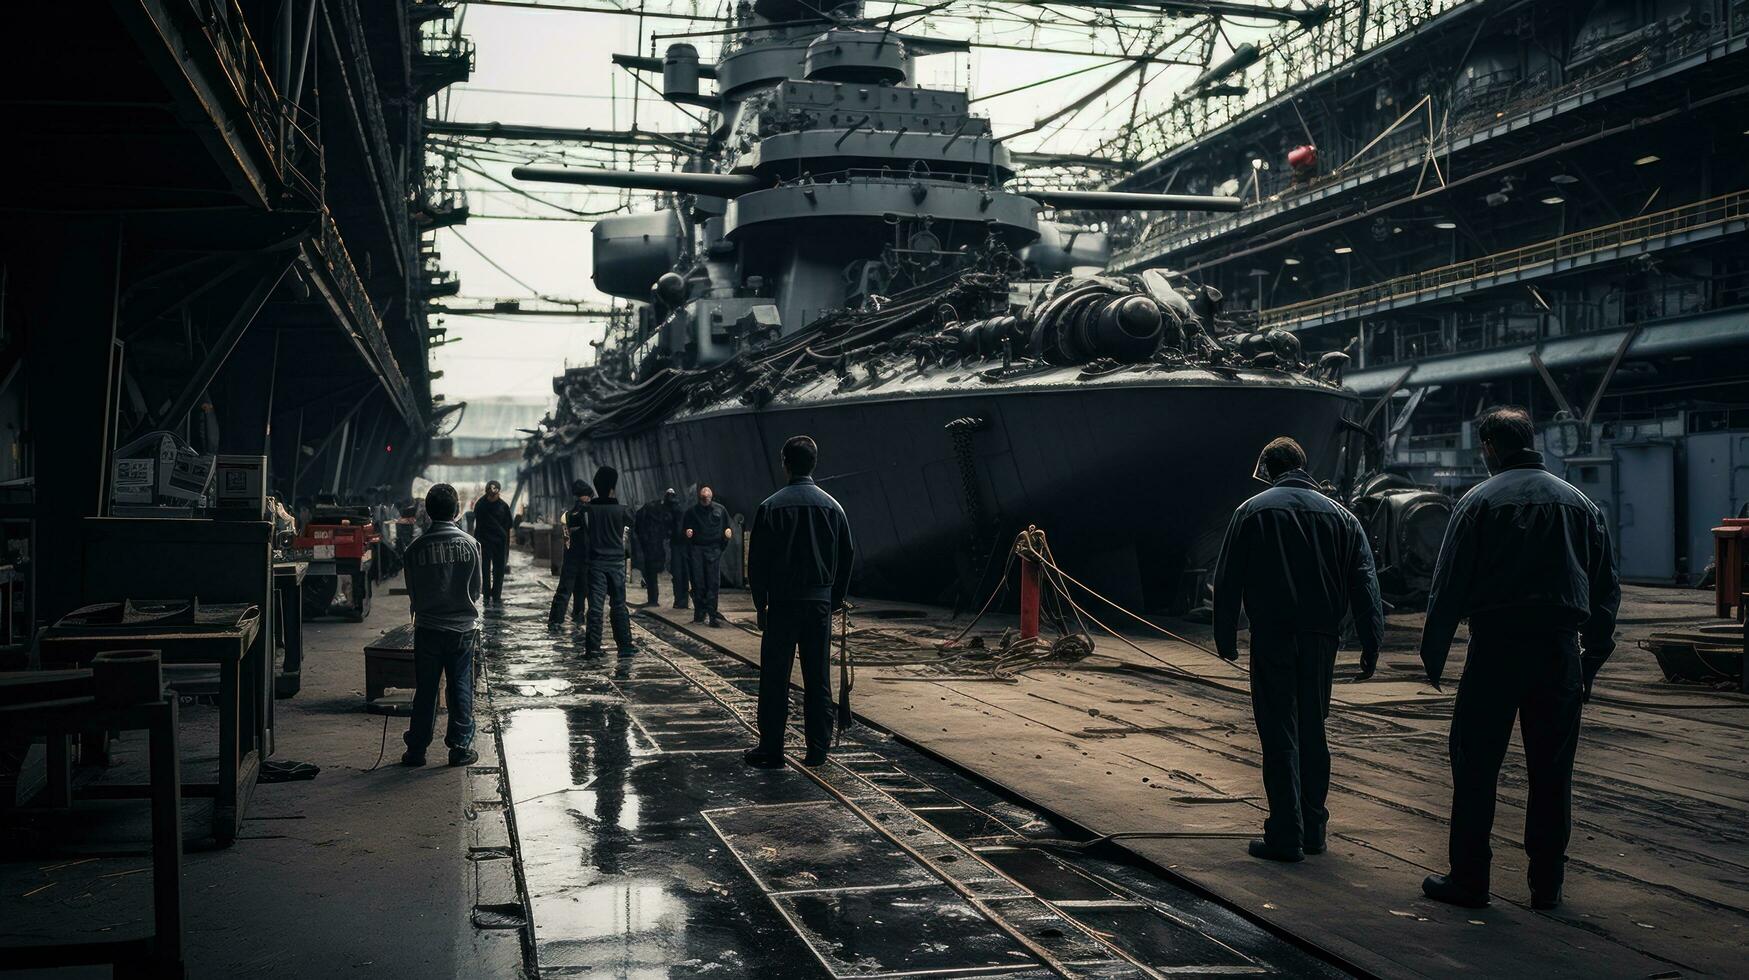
point(828, 182)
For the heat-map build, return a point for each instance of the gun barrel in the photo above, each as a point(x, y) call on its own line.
point(1128, 201)
point(711, 185)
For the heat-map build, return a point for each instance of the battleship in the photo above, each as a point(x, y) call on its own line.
point(849, 255)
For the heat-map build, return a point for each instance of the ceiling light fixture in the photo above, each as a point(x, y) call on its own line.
point(1554, 199)
point(1564, 179)
point(1343, 249)
point(1290, 260)
point(1648, 158)
point(1445, 225)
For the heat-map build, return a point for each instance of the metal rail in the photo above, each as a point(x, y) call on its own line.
point(1645, 229)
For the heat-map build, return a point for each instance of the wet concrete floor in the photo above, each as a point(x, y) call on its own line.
point(649, 850)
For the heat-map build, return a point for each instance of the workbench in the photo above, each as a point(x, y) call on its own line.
point(243, 729)
point(159, 954)
point(288, 598)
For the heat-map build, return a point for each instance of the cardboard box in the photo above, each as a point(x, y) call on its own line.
point(133, 481)
point(240, 481)
point(184, 480)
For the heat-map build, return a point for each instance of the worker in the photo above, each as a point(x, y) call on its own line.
point(1299, 563)
point(573, 584)
point(492, 529)
point(680, 563)
point(707, 530)
point(609, 520)
point(650, 532)
point(1528, 560)
point(444, 591)
point(798, 569)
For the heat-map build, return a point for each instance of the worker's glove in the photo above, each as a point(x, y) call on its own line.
point(759, 618)
point(1369, 663)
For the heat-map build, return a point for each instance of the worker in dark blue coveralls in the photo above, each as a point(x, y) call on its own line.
point(444, 590)
point(651, 528)
point(707, 531)
point(1528, 559)
point(1300, 563)
point(492, 523)
point(573, 584)
point(608, 522)
point(798, 568)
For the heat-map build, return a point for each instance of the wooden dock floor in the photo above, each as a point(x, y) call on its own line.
point(1160, 740)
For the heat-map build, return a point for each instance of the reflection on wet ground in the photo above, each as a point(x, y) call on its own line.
point(650, 850)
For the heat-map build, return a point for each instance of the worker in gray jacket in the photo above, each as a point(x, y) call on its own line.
point(443, 588)
point(1528, 560)
point(1300, 563)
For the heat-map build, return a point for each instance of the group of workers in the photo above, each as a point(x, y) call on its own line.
point(1526, 558)
point(687, 542)
point(798, 571)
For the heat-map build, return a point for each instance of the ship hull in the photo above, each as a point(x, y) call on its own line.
point(1133, 483)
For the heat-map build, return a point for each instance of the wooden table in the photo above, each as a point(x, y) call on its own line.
point(243, 729)
point(288, 596)
point(159, 954)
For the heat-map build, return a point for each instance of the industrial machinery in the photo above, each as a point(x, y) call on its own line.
point(1405, 522)
point(845, 255)
point(340, 544)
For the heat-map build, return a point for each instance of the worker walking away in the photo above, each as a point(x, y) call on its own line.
point(651, 528)
point(707, 530)
point(798, 567)
point(1299, 563)
point(444, 591)
point(573, 584)
point(608, 522)
point(492, 529)
point(1527, 558)
point(680, 561)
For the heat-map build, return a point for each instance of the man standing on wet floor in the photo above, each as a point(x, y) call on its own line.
point(444, 586)
point(608, 522)
point(1299, 562)
point(1527, 558)
point(798, 568)
point(707, 530)
point(651, 528)
point(492, 522)
point(573, 584)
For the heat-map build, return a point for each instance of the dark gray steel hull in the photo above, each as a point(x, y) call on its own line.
point(1133, 482)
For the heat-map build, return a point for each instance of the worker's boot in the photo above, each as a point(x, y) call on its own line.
point(1545, 886)
point(1444, 888)
point(758, 758)
point(1313, 839)
point(463, 757)
point(1275, 852)
point(412, 758)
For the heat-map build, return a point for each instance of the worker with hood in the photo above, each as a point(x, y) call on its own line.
point(1528, 560)
point(573, 584)
point(651, 528)
point(1299, 563)
point(608, 522)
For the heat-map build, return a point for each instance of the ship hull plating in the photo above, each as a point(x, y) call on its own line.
point(1133, 483)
